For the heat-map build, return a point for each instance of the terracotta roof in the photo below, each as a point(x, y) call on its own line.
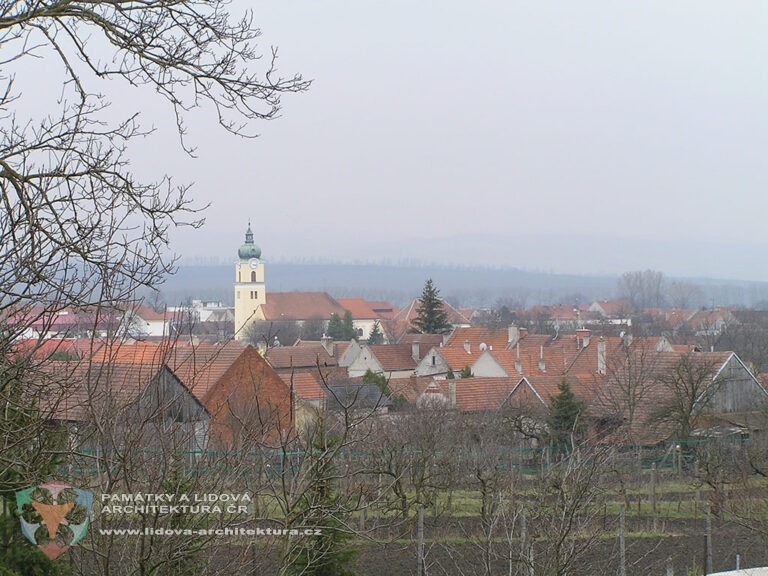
point(678, 317)
point(300, 306)
point(612, 307)
point(43, 349)
point(307, 385)
point(149, 314)
point(199, 366)
point(393, 357)
point(561, 312)
point(359, 308)
point(430, 340)
point(482, 394)
point(498, 339)
point(383, 310)
point(543, 388)
point(95, 391)
point(458, 358)
point(203, 365)
point(306, 355)
point(410, 388)
point(150, 353)
point(339, 347)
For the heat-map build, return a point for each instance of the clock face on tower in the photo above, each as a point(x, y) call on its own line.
point(253, 263)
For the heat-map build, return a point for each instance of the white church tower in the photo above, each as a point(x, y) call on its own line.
point(250, 290)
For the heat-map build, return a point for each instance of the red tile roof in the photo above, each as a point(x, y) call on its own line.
point(307, 385)
point(430, 340)
point(72, 347)
point(495, 338)
point(84, 392)
point(306, 355)
point(359, 308)
point(482, 394)
point(300, 306)
point(151, 315)
point(394, 357)
point(383, 310)
point(458, 358)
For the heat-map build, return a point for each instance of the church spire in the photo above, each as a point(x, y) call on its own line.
point(249, 250)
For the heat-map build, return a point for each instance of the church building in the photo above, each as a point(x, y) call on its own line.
point(250, 289)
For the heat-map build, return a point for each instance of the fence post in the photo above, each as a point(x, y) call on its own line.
point(622, 542)
point(708, 569)
point(422, 569)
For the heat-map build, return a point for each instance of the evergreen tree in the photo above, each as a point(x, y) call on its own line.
point(566, 417)
point(376, 336)
point(466, 372)
point(432, 317)
point(321, 507)
point(342, 329)
point(371, 377)
point(335, 327)
point(348, 326)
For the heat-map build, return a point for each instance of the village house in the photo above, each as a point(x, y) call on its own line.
point(394, 361)
point(245, 398)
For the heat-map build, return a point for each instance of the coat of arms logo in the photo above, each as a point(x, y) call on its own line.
point(54, 516)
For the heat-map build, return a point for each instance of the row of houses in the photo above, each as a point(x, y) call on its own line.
point(626, 384)
point(225, 392)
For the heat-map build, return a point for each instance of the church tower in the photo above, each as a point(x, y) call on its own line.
point(250, 290)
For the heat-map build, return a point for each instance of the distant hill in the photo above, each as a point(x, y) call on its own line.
point(462, 286)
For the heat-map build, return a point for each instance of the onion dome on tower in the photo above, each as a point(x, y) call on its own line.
point(249, 250)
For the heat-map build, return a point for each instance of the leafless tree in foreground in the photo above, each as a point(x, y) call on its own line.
point(78, 229)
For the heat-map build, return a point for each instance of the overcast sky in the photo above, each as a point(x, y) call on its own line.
point(433, 130)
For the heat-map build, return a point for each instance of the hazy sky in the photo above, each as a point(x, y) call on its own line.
point(465, 131)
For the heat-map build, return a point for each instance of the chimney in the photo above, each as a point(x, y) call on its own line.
point(542, 365)
point(467, 347)
point(452, 393)
point(513, 336)
point(583, 334)
point(415, 352)
point(518, 364)
point(627, 340)
point(327, 343)
point(601, 356)
point(523, 333)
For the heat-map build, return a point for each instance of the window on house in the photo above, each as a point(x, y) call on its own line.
point(359, 331)
point(253, 276)
point(433, 360)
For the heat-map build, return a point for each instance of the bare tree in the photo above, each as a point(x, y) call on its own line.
point(564, 511)
point(412, 456)
point(686, 387)
point(643, 289)
point(79, 228)
point(684, 295)
point(624, 389)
